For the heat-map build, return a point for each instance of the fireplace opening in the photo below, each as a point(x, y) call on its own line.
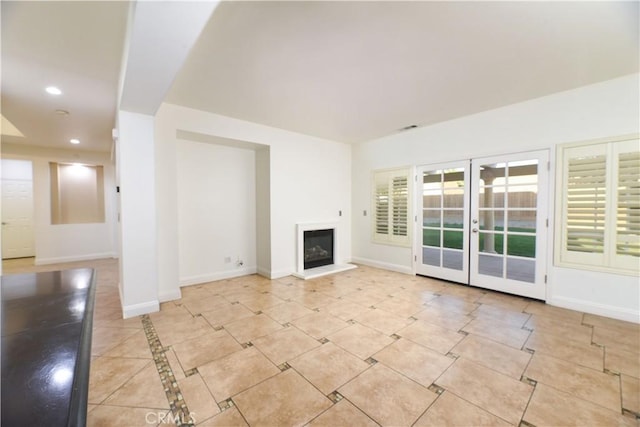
point(318, 248)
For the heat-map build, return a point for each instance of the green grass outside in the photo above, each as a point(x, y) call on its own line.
point(524, 246)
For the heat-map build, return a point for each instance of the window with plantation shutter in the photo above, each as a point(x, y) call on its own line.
point(391, 207)
point(599, 206)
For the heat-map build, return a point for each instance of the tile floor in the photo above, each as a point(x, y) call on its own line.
point(361, 348)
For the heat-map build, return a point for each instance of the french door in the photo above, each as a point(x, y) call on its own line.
point(483, 222)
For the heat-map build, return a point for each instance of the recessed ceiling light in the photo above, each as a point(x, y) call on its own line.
point(52, 90)
point(62, 112)
point(74, 141)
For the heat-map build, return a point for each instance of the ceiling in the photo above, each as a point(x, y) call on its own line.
point(345, 71)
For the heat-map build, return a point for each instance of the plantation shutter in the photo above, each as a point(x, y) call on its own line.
point(400, 203)
point(382, 208)
point(586, 203)
point(391, 207)
point(600, 222)
point(627, 209)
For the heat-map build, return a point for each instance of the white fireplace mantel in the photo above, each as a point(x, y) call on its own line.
point(338, 263)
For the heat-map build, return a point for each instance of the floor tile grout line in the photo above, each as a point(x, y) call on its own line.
point(177, 405)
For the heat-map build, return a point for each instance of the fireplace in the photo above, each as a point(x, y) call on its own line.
point(318, 248)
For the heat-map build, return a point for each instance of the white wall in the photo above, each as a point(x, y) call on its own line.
point(602, 110)
point(67, 242)
point(136, 172)
point(310, 182)
point(216, 211)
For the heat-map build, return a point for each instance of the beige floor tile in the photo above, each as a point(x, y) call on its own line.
point(285, 344)
point(344, 309)
point(171, 333)
point(490, 390)
point(590, 356)
point(360, 340)
point(389, 398)
point(414, 361)
point(504, 333)
point(366, 297)
point(620, 361)
point(205, 348)
point(176, 367)
point(313, 300)
point(545, 310)
point(328, 367)
point(612, 324)
point(109, 416)
point(382, 321)
point(286, 312)
point(260, 302)
point(463, 292)
point(296, 402)
point(630, 394)
point(170, 313)
point(250, 328)
point(198, 398)
point(104, 339)
point(144, 390)
point(453, 303)
point(400, 307)
point(560, 327)
point(510, 302)
point(617, 339)
point(206, 303)
point(451, 411)
point(342, 413)
point(551, 407)
point(433, 336)
point(443, 317)
point(109, 373)
point(319, 324)
point(131, 323)
point(501, 314)
point(493, 355)
point(414, 296)
point(225, 314)
point(588, 384)
point(229, 418)
point(236, 372)
point(135, 346)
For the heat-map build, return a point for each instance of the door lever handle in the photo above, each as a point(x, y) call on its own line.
point(475, 230)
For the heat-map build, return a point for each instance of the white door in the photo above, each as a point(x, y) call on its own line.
point(443, 221)
point(17, 219)
point(484, 222)
point(509, 223)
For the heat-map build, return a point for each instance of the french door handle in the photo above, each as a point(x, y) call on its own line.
point(475, 221)
point(475, 230)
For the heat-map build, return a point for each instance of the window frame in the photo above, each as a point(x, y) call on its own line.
point(385, 178)
point(608, 261)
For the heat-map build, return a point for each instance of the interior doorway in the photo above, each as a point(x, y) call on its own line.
point(18, 238)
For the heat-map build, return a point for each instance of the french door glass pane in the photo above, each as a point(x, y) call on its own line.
point(431, 237)
point(522, 221)
point(490, 265)
point(520, 245)
point(491, 243)
point(431, 217)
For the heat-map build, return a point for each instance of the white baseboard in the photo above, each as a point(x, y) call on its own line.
point(212, 277)
point(170, 296)
point(138, 309)
point(383, 265)
point(279, 274)
point(74, 258)
point(595, 308)
point(264, 272)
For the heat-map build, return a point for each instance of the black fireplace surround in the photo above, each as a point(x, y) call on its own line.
point(318, 248)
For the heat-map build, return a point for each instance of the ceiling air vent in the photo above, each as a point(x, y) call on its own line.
point(407, 128)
